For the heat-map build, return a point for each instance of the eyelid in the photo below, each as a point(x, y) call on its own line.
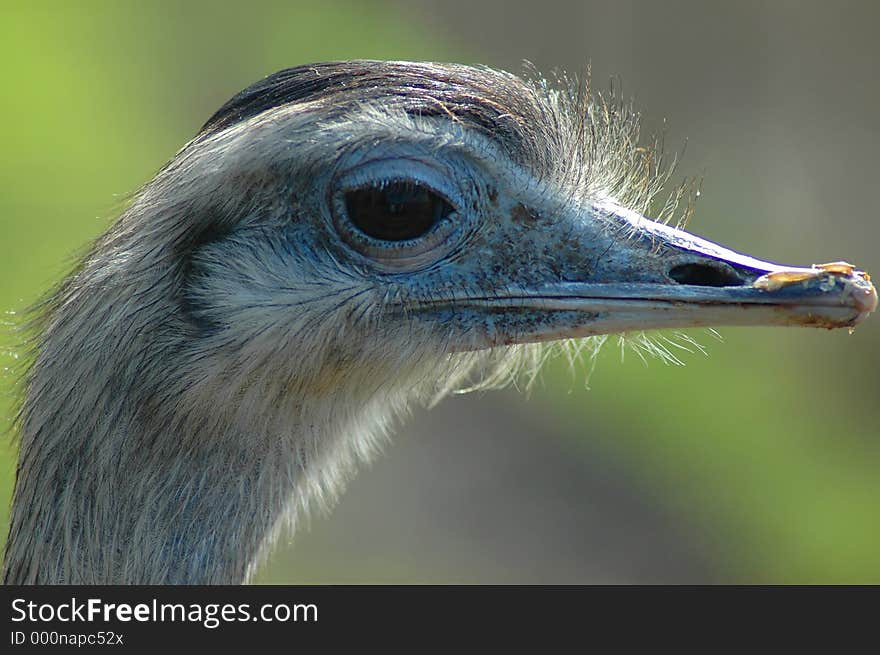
point(377, 172)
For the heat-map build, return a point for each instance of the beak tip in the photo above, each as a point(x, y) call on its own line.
point(852, 288)
point(863, 295)
point(866, 301)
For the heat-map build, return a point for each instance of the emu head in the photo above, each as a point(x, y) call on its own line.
point(338, 239)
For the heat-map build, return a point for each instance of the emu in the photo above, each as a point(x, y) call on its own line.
point(339, 241)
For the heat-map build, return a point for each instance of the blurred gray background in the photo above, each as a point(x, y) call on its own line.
point(758, 463)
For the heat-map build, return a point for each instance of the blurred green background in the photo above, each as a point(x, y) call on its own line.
point(757, 463)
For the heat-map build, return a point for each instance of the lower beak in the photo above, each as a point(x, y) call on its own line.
point(828, 296)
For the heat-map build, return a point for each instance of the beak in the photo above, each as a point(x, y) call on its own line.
point(645, 275)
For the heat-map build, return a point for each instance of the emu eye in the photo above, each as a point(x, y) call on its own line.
point(396, 211)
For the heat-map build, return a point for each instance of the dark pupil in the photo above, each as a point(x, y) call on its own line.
point(395, 212)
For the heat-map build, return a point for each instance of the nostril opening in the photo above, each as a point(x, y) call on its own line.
point(705, 275)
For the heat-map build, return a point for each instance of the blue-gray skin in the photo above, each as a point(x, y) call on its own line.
point(238, 340)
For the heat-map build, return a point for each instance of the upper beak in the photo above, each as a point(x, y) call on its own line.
point(653, 276)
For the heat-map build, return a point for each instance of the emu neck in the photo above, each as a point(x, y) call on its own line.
point(133, 470)
point(124, 481)
point(136, 502)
